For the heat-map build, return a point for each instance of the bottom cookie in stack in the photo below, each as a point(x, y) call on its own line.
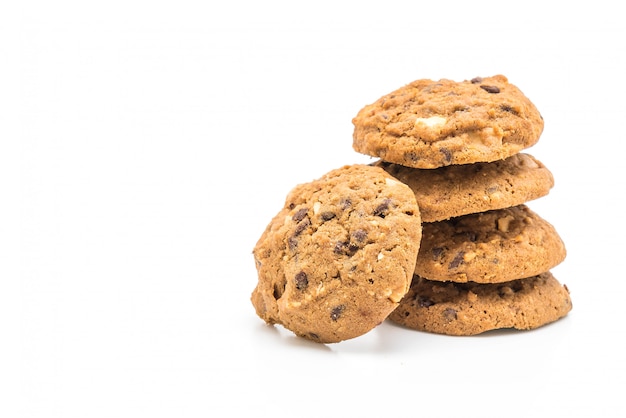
point(473, 308)
point(486, 271)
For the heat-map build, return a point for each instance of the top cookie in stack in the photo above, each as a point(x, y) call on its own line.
point(484, 257)
point(431, 124)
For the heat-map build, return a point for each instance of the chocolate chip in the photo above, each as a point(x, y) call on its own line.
point(302, 280)
point(345, 248)
point(509, 109)
point(359, 235)
point(477, 80)
point(383, 209)
point(279, 289)
point(340, 247)
point(292, 241)
point(457, 260)
point(424, 302)
point(336, 312)
point(301, 227)
point(437, 252)
point(490, 89)
point(327, 216)
point(345, 203)
point(447, 155)
point(299, 215)
point(449, 314)
point(411, 156)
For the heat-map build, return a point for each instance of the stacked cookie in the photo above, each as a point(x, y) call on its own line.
point(485, 258)
point(435, 235)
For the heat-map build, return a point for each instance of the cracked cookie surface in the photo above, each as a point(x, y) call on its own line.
point(457, 190)
point(430, 124)
point(339, 256)
point(489, 247)
point(472, 308)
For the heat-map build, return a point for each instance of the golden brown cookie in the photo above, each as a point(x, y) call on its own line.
point(430, 124)
point(489, 247)
point(471, 308)
point(339, 256)
point(457, 190)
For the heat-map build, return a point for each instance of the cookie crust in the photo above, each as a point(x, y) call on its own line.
point(339, 256)
point(456, 190)
point(430, 124)
point(471, 308)
point(489, 247)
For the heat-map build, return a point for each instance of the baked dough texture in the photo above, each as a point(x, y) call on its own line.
point(339, 256)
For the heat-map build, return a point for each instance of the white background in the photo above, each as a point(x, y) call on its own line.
point(146, 145)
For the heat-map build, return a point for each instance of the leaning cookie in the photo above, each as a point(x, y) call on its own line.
point(430, 124)
point(471, 308)
point(457, 190)
point(339, 256)
point(489, 247)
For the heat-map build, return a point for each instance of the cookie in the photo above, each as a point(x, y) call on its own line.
point(430, 124)
point(471, 308)
point(489, 247)
point(457, 190)
point(339, 256)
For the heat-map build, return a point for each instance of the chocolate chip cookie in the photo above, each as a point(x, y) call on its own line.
point(457, 190)
point(430, 124)
point(472, 308)
point(489, 247)
point(339, 256)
